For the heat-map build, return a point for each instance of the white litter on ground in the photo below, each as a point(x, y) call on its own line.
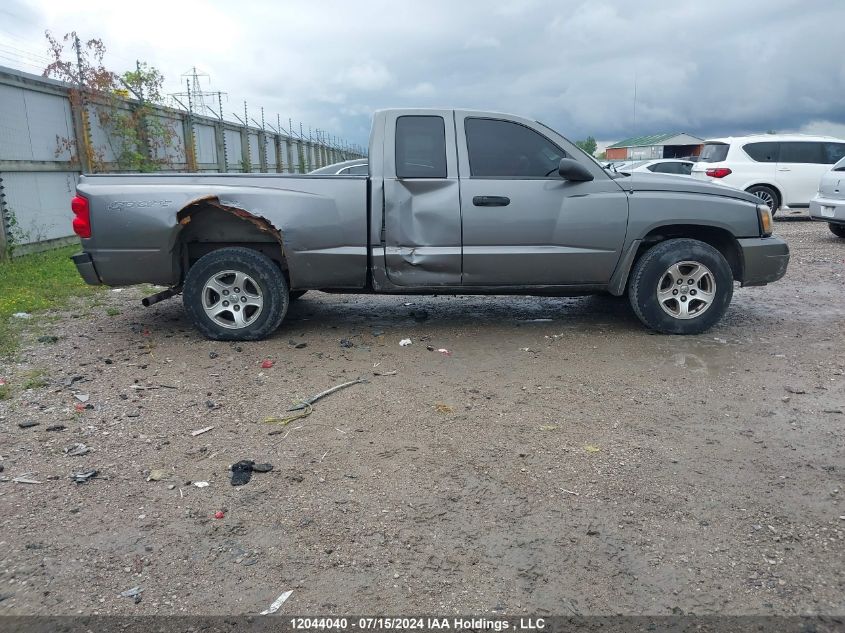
point(277, 603)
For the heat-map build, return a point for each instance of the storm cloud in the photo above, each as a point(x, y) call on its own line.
point(707, 68)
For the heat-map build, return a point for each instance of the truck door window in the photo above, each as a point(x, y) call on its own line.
point(420, 147)
point(503, 149)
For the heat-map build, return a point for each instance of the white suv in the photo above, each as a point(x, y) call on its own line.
point(783, 170)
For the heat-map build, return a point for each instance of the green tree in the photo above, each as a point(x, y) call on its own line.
point(124, 105)
point(588, 145)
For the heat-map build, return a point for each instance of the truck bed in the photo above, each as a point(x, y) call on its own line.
point(137, 220)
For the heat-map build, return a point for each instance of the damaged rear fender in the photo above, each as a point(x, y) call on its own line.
point(185, 215)
point(207, 223)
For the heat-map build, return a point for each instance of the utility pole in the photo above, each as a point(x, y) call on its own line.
point(140, 82)
point(188, 131)
point(247, 155)
point(301, 150)
point(634, 127)
point(86, 156)
point(139, 93)
point(4, 226)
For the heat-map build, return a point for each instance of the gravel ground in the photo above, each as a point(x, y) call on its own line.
point(561, 460)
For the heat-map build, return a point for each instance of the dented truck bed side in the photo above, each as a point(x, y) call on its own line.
point(138, 223)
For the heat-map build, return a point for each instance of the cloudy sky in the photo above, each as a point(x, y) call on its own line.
point(709, 67)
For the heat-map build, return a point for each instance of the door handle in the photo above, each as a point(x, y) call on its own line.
point(784, 169)
point(491, 201)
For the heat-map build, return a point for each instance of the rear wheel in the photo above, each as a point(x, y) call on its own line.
point(681, 286)
point(235, 294)
point(767, 195)
point(837, 229)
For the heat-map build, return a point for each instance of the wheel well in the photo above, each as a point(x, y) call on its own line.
point(207, 226)
point(770, 186)
point(720, 239)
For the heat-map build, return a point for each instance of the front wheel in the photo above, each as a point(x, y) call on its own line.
point(235, 294)
point(837, 229)
point(681, 286)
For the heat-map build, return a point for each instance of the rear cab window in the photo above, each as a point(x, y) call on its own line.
point(713, 153)
point(420, 147)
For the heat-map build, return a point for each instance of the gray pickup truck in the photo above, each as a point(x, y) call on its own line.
point(456, 202)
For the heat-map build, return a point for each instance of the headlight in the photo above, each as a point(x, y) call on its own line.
point(765, 215)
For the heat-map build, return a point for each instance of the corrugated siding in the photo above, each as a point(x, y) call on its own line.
point(176, 152)
point(40, 202)
point(206, 145)
point(254, 158)
point(31, 123)
point(14, 131)
point(233, 149)
point(270, 152)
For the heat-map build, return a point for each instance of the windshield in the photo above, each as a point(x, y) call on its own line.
point(713, 153)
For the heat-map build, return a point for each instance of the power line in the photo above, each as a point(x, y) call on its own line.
point(21, 40)
point(20, 62)
point(24, 53)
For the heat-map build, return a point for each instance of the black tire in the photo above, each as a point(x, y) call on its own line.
point(293, 295)
point(768, 195)
point(837, 229)
point(265, 281)
point(653, 269)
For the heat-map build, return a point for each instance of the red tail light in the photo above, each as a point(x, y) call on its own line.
point(81, 216)
point(718, 172)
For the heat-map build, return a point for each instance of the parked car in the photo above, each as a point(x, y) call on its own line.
point(456, 202)
point(829, 203)
point(666, 166)
point(782, 170)
point(354, 167)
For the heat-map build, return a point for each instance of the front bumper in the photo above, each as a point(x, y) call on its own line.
point(764, 260)
point(85, 266)
point(828, 209)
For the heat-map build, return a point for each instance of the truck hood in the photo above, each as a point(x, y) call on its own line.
point(641, 181)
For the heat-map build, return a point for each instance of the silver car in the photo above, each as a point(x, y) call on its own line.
point(829, 203)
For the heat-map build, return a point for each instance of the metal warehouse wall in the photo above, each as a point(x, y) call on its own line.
point(38, 173)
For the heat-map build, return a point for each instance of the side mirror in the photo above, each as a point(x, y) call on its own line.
point(573, 170)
